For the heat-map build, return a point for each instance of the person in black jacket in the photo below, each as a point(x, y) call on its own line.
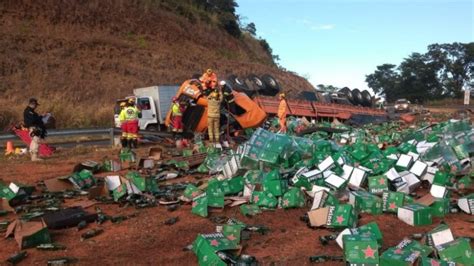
point(34, 122)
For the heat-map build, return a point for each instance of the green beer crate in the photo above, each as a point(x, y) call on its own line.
point(361, 250)
point(458, 251)
point(391, 201)
point(206, 245)
point(341, 216)
point(365, 202)
point(378, 184)
point(440, 207)
point(415, 214)
point(369, 230)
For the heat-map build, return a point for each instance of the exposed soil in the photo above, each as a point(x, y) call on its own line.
point(87, 54)
point(145, 240)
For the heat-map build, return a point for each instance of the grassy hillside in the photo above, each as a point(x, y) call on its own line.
point(77, 57)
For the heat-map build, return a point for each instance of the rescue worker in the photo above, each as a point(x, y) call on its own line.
point(228, 96)
point(34, 122)
point(282, 112)
point(123, 126)
point(130, 114)
point(213, 115)
point(177, 110)
point(208, 81)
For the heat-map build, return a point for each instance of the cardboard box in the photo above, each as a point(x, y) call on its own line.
point(425, 261)
point(335, 182)
point(357, 178)
point(347, 171)
point(120, 187)
point(466, 204)
point(391, 201)
point(419, 168)
point(415, 214)
point(378, 184)
point(404, 162)
point(371, 230)
point(458, 251)
point(439, 235)
point(206, 245)
point(58, 185)
point(365, 202)
point(323, 198)
point(200, 204)
point(327, 164)
point(155, 153)
point(412, 183)
point(313, 175)
point(232, 167)
point(82, 180)
point(29, 234)
point(360, 250)
point(142, 183)
point(430, 174)
point(146, 163)
point(340, 216)
point(438, 191)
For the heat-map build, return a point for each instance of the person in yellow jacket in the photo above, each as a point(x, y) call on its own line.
point(123, 125)
point(177, 110)
point(130, 114)
point(213, 115)
point(282, 112)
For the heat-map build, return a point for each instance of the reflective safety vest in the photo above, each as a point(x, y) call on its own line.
point(129, 113)
point(176, 110)
point(282, 109)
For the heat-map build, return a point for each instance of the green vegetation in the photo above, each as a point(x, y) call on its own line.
point(221, 13)
point(443, 72)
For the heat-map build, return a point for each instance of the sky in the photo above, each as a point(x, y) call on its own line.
point(339, 42)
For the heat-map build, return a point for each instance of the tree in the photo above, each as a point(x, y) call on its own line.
point(251, 28)
point(456, 66)
point(229, 23)
point(441, 72)
point(384, 81)
point(418, 79)
point(327, 88)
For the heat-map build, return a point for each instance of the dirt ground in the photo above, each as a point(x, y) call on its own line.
point(146, 240)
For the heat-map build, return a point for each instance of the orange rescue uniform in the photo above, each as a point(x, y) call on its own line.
point(282, 115)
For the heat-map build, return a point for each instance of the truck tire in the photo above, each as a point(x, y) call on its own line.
point(320, 97)
point(367, 98)
point(256, 83)
point(234, 79)
point(348, 93)
point(308, 96)
point(272, 85)
point(357, 97)
point(239, 85)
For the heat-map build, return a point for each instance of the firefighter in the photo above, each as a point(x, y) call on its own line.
point(34, 122)
point(123, 125)
point(208, 81)
point(229, 99)
point(213, 115)
point(130, 114)
point(282, 112)
point(177, 110)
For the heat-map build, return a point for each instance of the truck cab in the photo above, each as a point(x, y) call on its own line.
point(153, 102)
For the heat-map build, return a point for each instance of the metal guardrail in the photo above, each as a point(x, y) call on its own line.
point(88, 132)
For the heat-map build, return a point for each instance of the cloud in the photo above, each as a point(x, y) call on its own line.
point(323, 27)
